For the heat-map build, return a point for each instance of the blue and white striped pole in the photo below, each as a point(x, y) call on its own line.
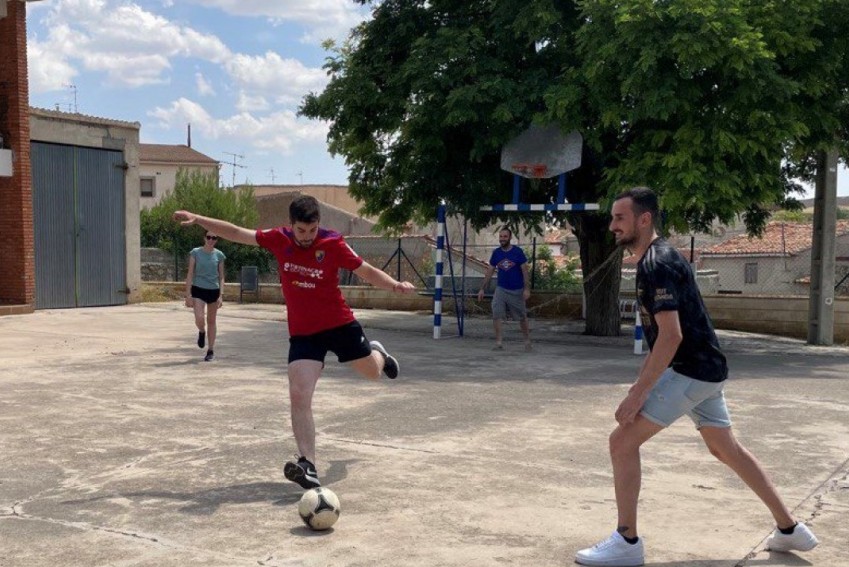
point(638, 331)
point(437, 292)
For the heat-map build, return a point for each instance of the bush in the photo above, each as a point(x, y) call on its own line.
point(198, 192)
point(550, 276)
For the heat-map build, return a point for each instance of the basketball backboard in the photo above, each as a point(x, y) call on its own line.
point(542, 152)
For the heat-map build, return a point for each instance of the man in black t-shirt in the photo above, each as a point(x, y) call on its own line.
point(684, 373)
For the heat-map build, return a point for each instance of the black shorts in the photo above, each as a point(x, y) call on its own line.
point(205, 295)
point(347, 342)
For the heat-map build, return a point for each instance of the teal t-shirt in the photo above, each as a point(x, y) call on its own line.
point(206, 267)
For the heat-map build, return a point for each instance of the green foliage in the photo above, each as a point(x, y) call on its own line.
point(550, 276)
point(198, 192)
point(792, 216)
point(716, 104)
point(805, 216)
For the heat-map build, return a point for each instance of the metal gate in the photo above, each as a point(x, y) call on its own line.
point(79, 226)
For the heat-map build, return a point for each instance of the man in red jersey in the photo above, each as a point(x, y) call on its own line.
point(309, 260)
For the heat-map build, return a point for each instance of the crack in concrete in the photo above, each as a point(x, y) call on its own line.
point(818, 495)
point(154, 540)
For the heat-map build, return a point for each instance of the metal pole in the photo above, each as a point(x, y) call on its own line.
point(399, 260)
point(517, 184)
point(821, 303)
point(437, 287)
point(534, 264)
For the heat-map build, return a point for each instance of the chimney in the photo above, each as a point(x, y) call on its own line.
point(189, 141)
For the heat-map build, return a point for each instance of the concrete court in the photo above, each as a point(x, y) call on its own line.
point(120, 447)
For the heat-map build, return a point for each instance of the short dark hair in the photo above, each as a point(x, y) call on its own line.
point(644, 201)
point(504, 228)
point(304, 209)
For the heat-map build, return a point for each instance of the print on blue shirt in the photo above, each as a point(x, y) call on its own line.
point(509, 267)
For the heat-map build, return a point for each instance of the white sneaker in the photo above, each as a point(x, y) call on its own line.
point(802, 539)
point(613, 552)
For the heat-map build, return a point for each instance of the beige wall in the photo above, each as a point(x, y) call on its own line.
point(334, 195)
point(47, 126)
point(165, 178)
point(274, 211)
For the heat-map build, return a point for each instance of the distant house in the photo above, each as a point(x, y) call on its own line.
point(778, 263)
point(158, 167)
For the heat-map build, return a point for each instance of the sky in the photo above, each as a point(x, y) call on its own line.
point(236, 70)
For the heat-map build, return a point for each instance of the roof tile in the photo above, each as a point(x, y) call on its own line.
point(779, 239)
point(164, 153)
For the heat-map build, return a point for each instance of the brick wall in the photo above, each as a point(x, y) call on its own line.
point(17, 249)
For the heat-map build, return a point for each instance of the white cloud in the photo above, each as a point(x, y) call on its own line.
point(48, 70)
point(204, 87)
point(135, 48)
point(284, 80)
point(248, 103)
point(322, 18)
point(278, 132)
point(131, 45)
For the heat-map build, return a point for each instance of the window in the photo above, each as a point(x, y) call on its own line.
point(751, 274)
point(148, 186)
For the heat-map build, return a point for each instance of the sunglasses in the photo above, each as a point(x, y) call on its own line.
point(212, 238)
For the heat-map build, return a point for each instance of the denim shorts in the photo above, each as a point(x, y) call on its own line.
point(675, 395)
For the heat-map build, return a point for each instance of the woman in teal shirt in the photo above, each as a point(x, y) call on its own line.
point(204, 284)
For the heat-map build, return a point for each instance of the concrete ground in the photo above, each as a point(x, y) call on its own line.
point(120, 447)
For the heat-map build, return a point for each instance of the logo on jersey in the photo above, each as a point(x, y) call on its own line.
point(506, 264)
point(303, 285)
point(303, 271)
point(319, 255)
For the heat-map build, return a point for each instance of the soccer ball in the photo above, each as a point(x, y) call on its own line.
point(319, 508)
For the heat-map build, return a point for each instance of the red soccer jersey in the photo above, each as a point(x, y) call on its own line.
point(309, 278)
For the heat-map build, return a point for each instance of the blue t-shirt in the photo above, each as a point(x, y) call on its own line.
point(509, 267)
point(206, 267)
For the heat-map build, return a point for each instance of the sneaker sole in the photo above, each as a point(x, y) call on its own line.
point(297, 475)
point(611, 562)
point(809, 545)
point(376, 345)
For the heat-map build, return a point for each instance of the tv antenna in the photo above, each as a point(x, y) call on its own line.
point(74, 90)
point(271, 171)
point(300, 174)
point(234, 164)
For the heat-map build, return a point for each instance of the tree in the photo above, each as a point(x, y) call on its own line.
point(200, 193)
point(713, 103)
point(550, 276)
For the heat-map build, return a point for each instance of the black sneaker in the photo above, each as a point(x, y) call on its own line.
point(303, 472)
point(209, 356)
point(201, 340)
point(390, 366)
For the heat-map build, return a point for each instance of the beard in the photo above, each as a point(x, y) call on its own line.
point(625, 239)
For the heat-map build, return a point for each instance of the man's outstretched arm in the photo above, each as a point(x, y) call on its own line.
point(379, 278)
point(223, 229)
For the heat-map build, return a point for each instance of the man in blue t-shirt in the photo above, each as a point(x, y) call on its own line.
point(512, 289)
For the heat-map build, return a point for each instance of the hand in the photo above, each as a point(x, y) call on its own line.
point(185, 217)
point(627, 411)
point(480, 295)
point(189, 302)
point(403, 287)
point(220, 301)
point(526, 294)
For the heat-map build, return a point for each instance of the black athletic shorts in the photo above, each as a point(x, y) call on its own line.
point(347, 342)
point(205, 295)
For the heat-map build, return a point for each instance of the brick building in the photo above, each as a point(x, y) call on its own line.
point(17, 268)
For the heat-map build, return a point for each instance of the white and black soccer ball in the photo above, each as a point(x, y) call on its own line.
point(319, 508)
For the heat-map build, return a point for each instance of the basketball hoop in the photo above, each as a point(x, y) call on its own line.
point(530, 170)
